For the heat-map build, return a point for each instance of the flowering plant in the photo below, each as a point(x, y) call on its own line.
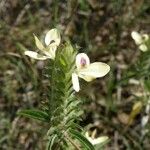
point(62, 110)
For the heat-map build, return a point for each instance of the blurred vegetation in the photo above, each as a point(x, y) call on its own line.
point(100, 28)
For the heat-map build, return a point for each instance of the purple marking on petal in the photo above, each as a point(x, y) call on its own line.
point(83, 62)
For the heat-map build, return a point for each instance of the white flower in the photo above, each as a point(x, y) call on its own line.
point(87, 71)
point(95, 141)
point(52, 41)
point(144, 120)
point(140, 40)
point(143, 47)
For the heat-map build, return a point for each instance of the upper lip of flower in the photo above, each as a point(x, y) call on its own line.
point(88, 71)
point(52, 41)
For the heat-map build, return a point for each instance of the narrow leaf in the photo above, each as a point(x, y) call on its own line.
point(35, 114)
point(82, 139)
point(51, 142)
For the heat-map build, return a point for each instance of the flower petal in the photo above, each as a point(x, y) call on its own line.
point(52, 50)
point(93, 71)
point(137, 37)
point(95, 141)
point(52, 36)
point(144, 120)
point(38, 43)
point(82, 60)
point(145, 37)
point(35, 55)
point(75, 82)
point(48, 51)
point(143, 47)
point(99, 140)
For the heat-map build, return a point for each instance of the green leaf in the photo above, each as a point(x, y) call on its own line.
point(35, 114)
point(76, 126)
point(51, 142)
point(82, 139)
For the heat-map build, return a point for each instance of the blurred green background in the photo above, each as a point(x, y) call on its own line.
point(101, 28)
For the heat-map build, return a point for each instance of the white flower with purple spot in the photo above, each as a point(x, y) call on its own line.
point(87, 71)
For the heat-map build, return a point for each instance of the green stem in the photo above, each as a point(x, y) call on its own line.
point(52, 89)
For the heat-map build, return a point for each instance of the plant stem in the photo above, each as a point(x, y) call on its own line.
point(52, 89)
